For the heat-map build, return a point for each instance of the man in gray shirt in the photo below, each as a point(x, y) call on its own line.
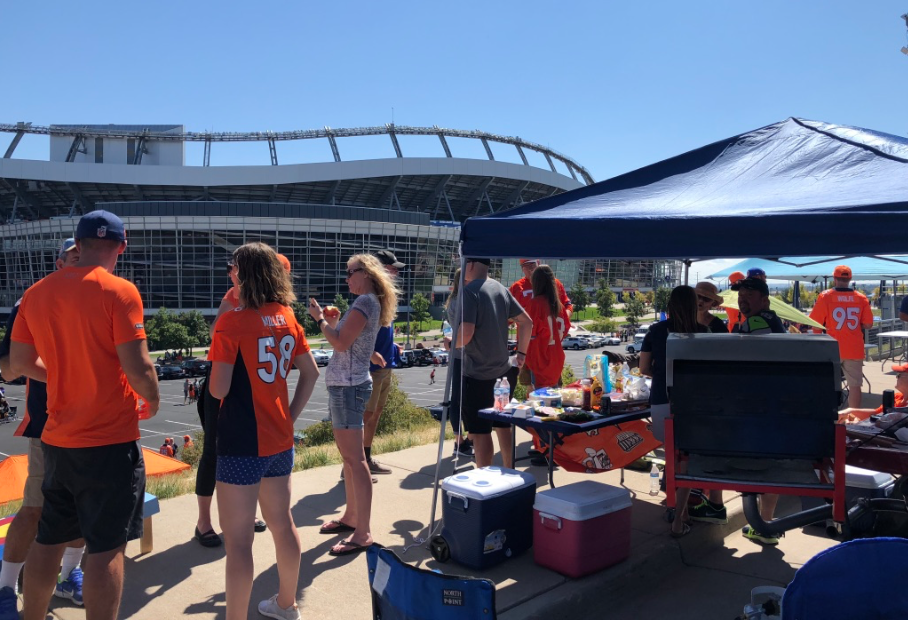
point(487, 307)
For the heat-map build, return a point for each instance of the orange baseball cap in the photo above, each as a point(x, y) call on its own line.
point(522, 261)
point(842, 271)
point(900, 368)
point(737, 276)
point(285, 262)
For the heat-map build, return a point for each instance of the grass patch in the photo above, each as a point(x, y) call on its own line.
point(172, 485)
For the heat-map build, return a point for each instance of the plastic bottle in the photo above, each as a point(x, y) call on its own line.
point(447, 330)
point(654, 482)
point(586, 394)
point(501, 394)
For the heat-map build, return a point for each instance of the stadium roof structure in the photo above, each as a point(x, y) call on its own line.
point(445, 188)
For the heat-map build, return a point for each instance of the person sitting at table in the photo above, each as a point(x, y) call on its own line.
point(682, 319)
point(856, 414)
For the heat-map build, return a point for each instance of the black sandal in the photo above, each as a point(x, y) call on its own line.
point(209, 539)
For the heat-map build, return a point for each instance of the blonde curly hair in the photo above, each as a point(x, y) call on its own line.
point(386, 290)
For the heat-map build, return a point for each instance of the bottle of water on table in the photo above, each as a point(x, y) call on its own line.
point(501, 394)
point(654, 482)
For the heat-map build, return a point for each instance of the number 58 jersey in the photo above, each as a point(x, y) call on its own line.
point(254, 418)
point(844, 312)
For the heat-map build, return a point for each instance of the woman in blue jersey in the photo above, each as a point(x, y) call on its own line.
point(349, 384)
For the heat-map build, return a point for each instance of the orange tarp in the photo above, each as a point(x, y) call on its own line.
point(14, 471)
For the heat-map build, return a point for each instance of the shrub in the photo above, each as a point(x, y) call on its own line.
point(400, 413)
point(192, 454)
point(602, 325)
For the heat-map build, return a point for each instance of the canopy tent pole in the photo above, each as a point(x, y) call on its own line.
point(795, 300)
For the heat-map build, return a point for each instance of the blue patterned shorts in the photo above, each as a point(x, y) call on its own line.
point(246, 470)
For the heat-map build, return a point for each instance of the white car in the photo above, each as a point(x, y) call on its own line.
point(635, 347)
point(321, 356)
point(612, 341)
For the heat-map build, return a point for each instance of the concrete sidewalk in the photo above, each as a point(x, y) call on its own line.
point(709, 573)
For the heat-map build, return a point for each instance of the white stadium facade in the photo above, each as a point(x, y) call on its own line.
point(183, 221)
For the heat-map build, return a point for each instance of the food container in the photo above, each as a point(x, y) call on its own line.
point(572, 397)
point(548, 397)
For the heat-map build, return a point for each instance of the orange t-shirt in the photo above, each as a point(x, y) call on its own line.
point(75, 318)
point(545, 350)
point(255, 417)
point(900, 401)
point(844, 312)
point(232, 297)
point(734, 317)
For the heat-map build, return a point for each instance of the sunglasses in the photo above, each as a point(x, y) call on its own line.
point(351, 272)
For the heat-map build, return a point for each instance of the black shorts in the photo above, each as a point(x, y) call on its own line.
point(476, 395)
point(93, 493)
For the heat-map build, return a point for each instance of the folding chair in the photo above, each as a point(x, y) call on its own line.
point(402, 592)
point(864, 578)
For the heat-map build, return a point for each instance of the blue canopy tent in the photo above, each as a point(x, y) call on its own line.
point(796, 187)
point(809, 269)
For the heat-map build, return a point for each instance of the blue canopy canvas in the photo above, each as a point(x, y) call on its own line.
point(810, 269)
point(794, 188)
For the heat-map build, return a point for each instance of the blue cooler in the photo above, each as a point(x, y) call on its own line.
point(487, 515)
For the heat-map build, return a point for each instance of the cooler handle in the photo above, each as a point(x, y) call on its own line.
point(464, 499)
point(551, 522)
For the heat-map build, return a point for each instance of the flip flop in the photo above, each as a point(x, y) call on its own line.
point(259, 525)
point(686, 530)
point(209, 539)
point(339, 527)
point(350, 548)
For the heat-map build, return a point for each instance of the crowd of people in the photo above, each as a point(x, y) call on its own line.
point(84, 495)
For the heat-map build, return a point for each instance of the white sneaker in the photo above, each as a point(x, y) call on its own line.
point(270, 609)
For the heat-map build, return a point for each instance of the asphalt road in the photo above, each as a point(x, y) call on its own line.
point(175, 419)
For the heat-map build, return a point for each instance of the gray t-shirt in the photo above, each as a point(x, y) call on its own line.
point(352, 367)
point(488, 305)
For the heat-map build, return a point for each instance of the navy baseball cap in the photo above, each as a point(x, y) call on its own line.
point(752, 284)
point(69, 244)
point(101, 225)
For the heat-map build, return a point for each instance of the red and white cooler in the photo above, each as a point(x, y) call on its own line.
point(582, 528)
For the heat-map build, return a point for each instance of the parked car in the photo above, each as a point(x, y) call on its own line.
point(440, 355)
point(196, 368)
point(321, 357)
point(407, 358)
point(634, 347)
point(574, 342)
point(612, 341)
point(423, 357)
point(171, 372)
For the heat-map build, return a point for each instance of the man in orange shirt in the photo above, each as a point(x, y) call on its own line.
point(95, 376)
point(845, 314)
point(734, 316)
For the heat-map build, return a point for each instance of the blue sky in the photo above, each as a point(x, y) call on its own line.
point(614, 85)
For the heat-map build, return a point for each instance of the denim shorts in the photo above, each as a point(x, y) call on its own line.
point(245, 470)
point(347, 404)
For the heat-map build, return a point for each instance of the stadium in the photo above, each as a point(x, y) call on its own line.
point(185, 220)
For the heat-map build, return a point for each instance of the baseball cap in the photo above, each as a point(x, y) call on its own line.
point(69, 244)
point(842, 271)
point(284, 261)
point(101, 224)
point(737, 276)
point(388, 258)
point(756, 272)
point(522, 261)
point(900, 368)
point(751, 284)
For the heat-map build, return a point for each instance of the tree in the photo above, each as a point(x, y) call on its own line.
point(304, 319)
point(603, 325)
point(662, 297)
point(602, 284)
point(605, 300)
point(578, 297)
point(341, 303)
point(419, 308)
point(635, 308)
point(197, 327)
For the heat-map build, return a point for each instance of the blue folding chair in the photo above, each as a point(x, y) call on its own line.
point(864, 578)
point(403, 592)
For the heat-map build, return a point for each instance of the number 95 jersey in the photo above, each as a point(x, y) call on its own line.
point(254, 418)
point(844, 312)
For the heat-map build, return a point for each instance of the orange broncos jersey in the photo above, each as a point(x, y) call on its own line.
point(844, 313)
point(545, 356)
point(255, 417)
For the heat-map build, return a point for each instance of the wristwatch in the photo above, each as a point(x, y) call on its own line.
point(320, 323)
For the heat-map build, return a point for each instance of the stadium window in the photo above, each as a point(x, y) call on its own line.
point(131, 150)
point(99, 150)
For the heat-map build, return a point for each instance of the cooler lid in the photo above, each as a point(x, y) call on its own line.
point(584, 500)
point(487, 482)
point(859, 478)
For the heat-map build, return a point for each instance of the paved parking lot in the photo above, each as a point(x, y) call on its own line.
point(175, 419)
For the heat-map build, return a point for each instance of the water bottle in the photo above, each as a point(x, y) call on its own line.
point(501, 394)
point(447, 330)
point(654, 484)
